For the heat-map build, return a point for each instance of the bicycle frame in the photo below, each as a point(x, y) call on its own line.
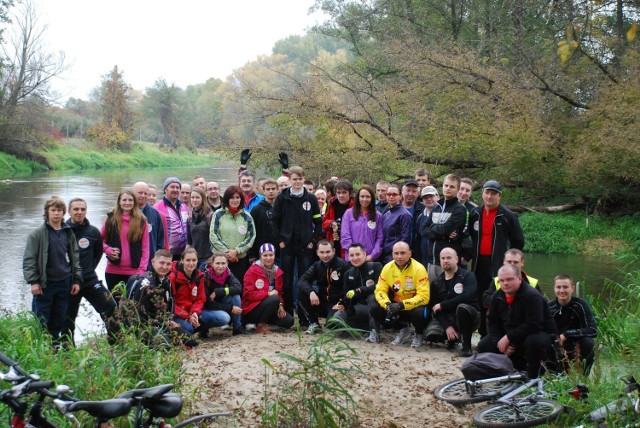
point(473, 385)
point(539, 394)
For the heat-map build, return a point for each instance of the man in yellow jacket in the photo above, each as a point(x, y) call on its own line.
point(402, 295)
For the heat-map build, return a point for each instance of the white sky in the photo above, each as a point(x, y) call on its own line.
point(185, 42)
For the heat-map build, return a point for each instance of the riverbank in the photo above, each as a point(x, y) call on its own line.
point(76, 154)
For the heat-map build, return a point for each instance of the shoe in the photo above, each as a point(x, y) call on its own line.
point(250, 327)
point(263, 329)
point(465, 352)
point(313, 328)
point(451, 344)
point(190, 342)
point(239, 331)
point(373, 337)
point(225, 327)
point(203, 333)
point(402, 336)
point(417, 340)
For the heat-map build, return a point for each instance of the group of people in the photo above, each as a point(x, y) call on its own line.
point(429, 265)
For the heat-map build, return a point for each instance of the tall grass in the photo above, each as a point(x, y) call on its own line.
point(10, 166)
point(576, 233)
point(95, 370)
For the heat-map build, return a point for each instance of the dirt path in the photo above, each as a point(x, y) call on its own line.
point(227, 374)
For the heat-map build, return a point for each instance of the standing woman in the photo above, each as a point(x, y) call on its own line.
point(233, 232)
point(262, 297)
point(362, 224)
point(125, 241)
point(198, 226)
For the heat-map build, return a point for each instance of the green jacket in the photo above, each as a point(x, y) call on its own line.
point(232, 232)
point(36, 254)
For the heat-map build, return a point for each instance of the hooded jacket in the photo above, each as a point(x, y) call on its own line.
point(188, 291)
point(90, 248)
point(296, 218)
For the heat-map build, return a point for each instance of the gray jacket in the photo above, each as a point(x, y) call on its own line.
point(36, 254)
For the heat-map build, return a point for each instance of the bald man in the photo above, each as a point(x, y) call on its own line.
point(154, 219)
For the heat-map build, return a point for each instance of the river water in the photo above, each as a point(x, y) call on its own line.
point(21, 210)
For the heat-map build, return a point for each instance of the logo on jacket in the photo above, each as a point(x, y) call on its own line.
point(397, 286)
point(259, 284)
point(306, 206)
point(83, 243)
point(408, 284)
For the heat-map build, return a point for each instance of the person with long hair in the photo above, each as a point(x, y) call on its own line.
point(199, 224)
point(224, 290)
point(189, 291)
point(262, 294)
point(233, 231)
point(125, 240)
point(362, 224)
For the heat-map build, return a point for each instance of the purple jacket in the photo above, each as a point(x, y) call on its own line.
point(396, 226)
point(363, 232)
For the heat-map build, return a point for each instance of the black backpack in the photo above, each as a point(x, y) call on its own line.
point(487, 365)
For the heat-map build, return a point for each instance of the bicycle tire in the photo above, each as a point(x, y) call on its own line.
point(531, 414)
point(199, 418)
point(455, 392)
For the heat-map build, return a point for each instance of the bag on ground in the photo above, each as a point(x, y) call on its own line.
point(487, 365)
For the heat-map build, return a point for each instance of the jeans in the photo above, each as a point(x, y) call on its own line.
point(234, 301)
point(51, 306)
point(294, 254)
point(208, 319)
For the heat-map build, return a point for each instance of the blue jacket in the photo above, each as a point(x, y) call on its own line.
point(396, 226)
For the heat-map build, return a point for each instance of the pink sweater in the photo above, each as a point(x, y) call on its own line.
point(124, 268)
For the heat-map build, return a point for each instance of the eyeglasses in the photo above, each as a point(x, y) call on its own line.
point(393, 194)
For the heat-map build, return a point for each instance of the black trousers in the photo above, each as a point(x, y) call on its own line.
point(530, 355)
point(267, 312)
point(418, 316)
point(465, 320)
point(98, 296)
point(294, 253)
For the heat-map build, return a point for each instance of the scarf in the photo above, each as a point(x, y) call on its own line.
point(219, 279)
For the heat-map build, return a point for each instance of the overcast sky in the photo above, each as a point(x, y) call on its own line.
point(186, 42)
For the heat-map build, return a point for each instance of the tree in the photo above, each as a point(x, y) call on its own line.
point(165, 103)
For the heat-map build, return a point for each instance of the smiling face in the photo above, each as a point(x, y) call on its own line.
point(161, 265)
point(152, 197)
point(325, 252)
point(189, 262)
point(464, 193)
point(220, 264)
point(172, 192)
point(409, 195)
point(563, 288)
point(365, 199)
point(491, 198)
point(196, 200)
point(267, 259)
point(357, 256)
point(247, 185)
point(199, 182)
point(234, 201)
point(78, 212)
point(126, 203)
point(213, 190)
point(141, 192)
point(393, 196)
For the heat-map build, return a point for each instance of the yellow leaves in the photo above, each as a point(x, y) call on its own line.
point(567, 47)
point(631, 33)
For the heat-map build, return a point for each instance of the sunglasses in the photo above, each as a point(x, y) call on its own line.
point(393, 194)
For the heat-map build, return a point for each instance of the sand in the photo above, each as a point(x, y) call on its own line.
point(227, 373)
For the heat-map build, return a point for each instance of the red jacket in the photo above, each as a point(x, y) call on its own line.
point(330, 216)
point(188, 293)
point(256, 287)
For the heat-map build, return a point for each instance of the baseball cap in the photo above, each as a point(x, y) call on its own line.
point(492, 185)
point(428, 190)
point(411, 182)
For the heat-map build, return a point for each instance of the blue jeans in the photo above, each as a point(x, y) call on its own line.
point(208, 319)
point(235, 301)
point(51, 306)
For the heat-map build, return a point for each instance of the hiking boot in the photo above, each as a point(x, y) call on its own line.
point(263, 329)
point(402, 336)
point(417, 340)
point(240, 330)
point(313, 328)
point(373, 337)
point(203, 333)
point(465, 352)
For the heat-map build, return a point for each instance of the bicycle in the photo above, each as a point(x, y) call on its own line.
point(629, 405)
point(461, 391)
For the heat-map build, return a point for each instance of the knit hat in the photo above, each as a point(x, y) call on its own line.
point(267, 247)
point(171, 180)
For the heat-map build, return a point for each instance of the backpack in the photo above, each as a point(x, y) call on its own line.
point(487, 365)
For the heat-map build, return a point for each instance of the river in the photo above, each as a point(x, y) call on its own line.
point(21, 210)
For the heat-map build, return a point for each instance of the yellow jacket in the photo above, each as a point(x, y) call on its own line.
point(409, 285)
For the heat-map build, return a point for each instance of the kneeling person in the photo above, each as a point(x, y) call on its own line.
point(455, 298)
point(575, 322)
point(359, 283)
point(320, 288)
point(402, 292)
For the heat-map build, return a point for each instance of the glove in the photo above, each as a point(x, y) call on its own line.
point(394, 308)
point(245, 156)
point(283, 158)
point(350, 294)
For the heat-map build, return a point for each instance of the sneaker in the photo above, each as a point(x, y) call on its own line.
point(373, 337)
point(226, 327)
point(465, 352)
point(402, 336)
point(417, 340)
point(313, 328)
point(250, 327)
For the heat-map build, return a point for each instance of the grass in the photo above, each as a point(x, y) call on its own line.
point(94, 371)
point(576, 233)
point(10, 166)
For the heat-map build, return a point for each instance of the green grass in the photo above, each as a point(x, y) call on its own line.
point(95, 370)
point(576, 233)
point(10, 166)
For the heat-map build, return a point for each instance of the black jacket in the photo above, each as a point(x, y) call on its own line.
point(296, 218)
point(90, 246)
point(528, 314)
point(461, 289)
point(575, 319)
point(447, 216)
point(362, 279)
point(325, 280)
point(262, 215)
point(230, 287)
point(507, 234)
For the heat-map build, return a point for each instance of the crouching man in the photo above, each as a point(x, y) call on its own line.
point(402, 294)
point(519, 323)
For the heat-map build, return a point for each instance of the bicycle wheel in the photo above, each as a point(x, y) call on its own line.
point(528, 414)
point(455, 392)
point(193, 421)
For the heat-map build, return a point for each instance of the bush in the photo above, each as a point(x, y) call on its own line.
point(109, 137)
